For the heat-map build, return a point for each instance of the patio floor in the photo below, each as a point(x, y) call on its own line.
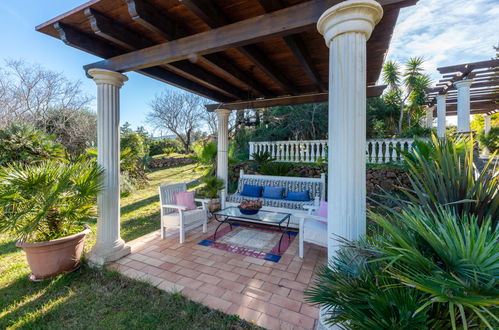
point(266, 293)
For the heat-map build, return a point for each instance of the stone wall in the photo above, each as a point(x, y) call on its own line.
point(377, 178)
point(169, 162)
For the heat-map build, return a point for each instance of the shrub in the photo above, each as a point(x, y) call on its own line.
point(275, 168)
point(48, 200)
point(164, 146)
point(22, 143)
point(206, 156)
point(134, 142)
point(261, 158)
point(491, 140)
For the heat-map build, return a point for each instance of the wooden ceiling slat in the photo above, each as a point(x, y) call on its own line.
point(123, 37)
point(284, 22)
point(215, 18)
point(469, 66)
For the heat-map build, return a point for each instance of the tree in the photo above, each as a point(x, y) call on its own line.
point(30, 93)
point(126, 128)
point(179, 112)
point(408, 86)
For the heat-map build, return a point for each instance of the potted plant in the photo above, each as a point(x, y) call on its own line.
point(45, 206)
point(212, 185)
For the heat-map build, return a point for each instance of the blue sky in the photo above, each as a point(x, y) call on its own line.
point(444, 32)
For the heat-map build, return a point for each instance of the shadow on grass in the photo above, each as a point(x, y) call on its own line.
point(152, 170)
point(139, 226)
point(94, 299)
point(8, 247)
point(139, 204)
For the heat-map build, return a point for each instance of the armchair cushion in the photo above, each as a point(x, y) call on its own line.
point(251, 190)
point(322, 209)
point(303, 196)
point(185, 198)
point(272, 192)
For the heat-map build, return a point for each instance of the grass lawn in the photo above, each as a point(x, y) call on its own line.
point(101, 299)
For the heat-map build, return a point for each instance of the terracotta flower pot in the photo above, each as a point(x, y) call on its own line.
point(214, 205)
point(50, 258)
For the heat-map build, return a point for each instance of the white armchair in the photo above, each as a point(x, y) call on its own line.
point(313, 229)
point(176, 216)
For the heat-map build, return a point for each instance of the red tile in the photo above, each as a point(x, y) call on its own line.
point(228, 275)
point(238, 263)
point(309, 310)
point(237, 298)
point(257, 293)
point(231, 285)
point(190, 283)
point(245, 313)
point(209, 279)
point(268, 322)
point(184, 271)
point(170, 276)
point(286, 303)
point(292, 284)
point(216, 303)
point(264, 307)
point(283, 274)
point(204, 261)
point(212, 289)
point(297, 318)
point(276, 289)
point(304, 276)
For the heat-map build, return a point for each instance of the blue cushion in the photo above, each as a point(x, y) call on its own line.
point(251, 190)
point(273, 192)
point(301, 196)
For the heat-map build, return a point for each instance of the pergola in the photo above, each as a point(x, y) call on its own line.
point(241, 54)
point(466, 89)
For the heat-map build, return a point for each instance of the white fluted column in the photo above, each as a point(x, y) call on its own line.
point(109, 246)
point(463, 105)
point(429, 117)
point(441, 109)
point(223, 149)
point(487, 125)
point(346, 27)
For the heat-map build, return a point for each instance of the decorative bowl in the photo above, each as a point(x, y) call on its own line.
point(248, 212)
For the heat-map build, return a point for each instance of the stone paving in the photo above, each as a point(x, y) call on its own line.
point(266, 293)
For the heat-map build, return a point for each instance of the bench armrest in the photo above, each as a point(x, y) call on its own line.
point(172, 206)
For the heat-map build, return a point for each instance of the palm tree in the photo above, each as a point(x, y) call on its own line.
point(409, 85)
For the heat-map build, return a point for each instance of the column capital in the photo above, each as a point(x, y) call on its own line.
point(102, 76)
point(463, 83)
point(223, 112)
point(359, 16)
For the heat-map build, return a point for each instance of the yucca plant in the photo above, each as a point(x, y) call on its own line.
point(261, 158)
point(452, 259)
point(442, 174)
point(49, 200)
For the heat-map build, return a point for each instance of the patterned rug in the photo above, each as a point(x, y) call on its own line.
point(257, 242)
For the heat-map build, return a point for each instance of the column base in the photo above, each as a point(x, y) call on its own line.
point(321, 324)
point(99, 257)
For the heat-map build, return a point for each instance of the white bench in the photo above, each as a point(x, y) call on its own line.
point(315, 186)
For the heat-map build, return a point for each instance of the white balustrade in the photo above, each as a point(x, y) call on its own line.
point(378, 151)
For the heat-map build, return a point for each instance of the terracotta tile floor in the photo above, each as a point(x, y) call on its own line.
point(266, 293)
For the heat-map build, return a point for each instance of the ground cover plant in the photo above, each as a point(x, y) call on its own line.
point(431, 263)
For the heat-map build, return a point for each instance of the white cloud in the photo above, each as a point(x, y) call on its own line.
point(446, 32)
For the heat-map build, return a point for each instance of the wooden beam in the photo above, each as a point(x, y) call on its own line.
point(123, 37)
point(297, 47)
point(288, 21)
point(146, 15)
point(468, 66)
point(85, 42)
point(215, 18)
point(372, 91)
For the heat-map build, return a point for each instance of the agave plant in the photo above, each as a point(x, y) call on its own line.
point(48, 200)
point(276, 169)
point(261, 158)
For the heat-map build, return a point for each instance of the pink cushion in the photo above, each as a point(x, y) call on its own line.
point(185, 198)
point(322, 209)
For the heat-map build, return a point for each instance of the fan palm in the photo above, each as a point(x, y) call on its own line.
point(47, 200)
